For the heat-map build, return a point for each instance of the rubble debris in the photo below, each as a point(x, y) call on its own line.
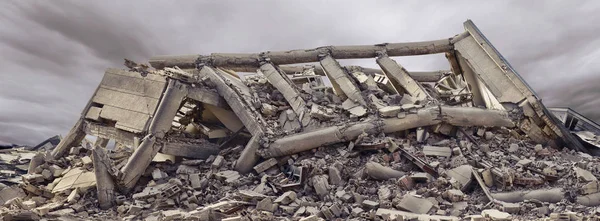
point(437, 151)
point(415, 204)
point(380, 172)
point(196, 139)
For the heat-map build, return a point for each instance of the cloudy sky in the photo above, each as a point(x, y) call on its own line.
point(53, 53)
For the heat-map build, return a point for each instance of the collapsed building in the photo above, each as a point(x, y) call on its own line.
point(295, 135)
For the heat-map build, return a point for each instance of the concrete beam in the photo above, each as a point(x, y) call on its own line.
point(250, 62)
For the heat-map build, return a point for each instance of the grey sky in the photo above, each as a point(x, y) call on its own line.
point(53, 53)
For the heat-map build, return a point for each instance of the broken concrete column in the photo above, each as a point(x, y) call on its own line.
point(73, 138)
point(380, 172)
point(160, 125)
point(104, 182)
point(457, 116)
point(249, 62)
point(248, 157)
point(341, 80)
point(545, 195)
point(589, 200)
point(284, 85)
point(400, 78)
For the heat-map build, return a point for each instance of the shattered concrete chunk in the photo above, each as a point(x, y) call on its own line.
point(437, 151)
point(266, 205)
point(369, 205)
point(286, 198)
point(415, 204)
point(494, 214)
point(584, 175)
point(335, 177)
point(462, 175)
point(261, 167)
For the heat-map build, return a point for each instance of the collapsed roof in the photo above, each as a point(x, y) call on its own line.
point(287, 108)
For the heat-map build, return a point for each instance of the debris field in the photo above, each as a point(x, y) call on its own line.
point(294, 135)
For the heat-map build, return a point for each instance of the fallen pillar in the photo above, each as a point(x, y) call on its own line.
point(589, 200)
point(389, 214)
point(457, 116)
point(284, 85)
point(160, 125)
point(380, 172)
point(545, 195)
point(234, 100)
point(341, 80)
point(248, 158)
point(249, 62)
point(104, 183)
point(400, 78)
point(73, 138)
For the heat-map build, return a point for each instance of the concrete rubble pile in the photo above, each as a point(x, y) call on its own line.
point(294, 135)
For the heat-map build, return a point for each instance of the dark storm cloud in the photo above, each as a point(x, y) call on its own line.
point(54, 53)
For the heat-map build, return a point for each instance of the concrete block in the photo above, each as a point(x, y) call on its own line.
point(495, 214)
point(454, 195)
point(86, 160)
point(335, 177)
point(286, 198)
point(422, 177)
point(218, 162)
point(414, 204)
point(158, 174)
point(261, 167)
point(584, 175)
point(266, 205)
point(437, 151)
point(369, 205)
point(195, 181)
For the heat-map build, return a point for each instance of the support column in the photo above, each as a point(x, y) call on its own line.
point(400, 78)
point(160, 125)
point(284, 85)
point(248, 158)
point(104, 182)
point(73, 138)
point(338, 76)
